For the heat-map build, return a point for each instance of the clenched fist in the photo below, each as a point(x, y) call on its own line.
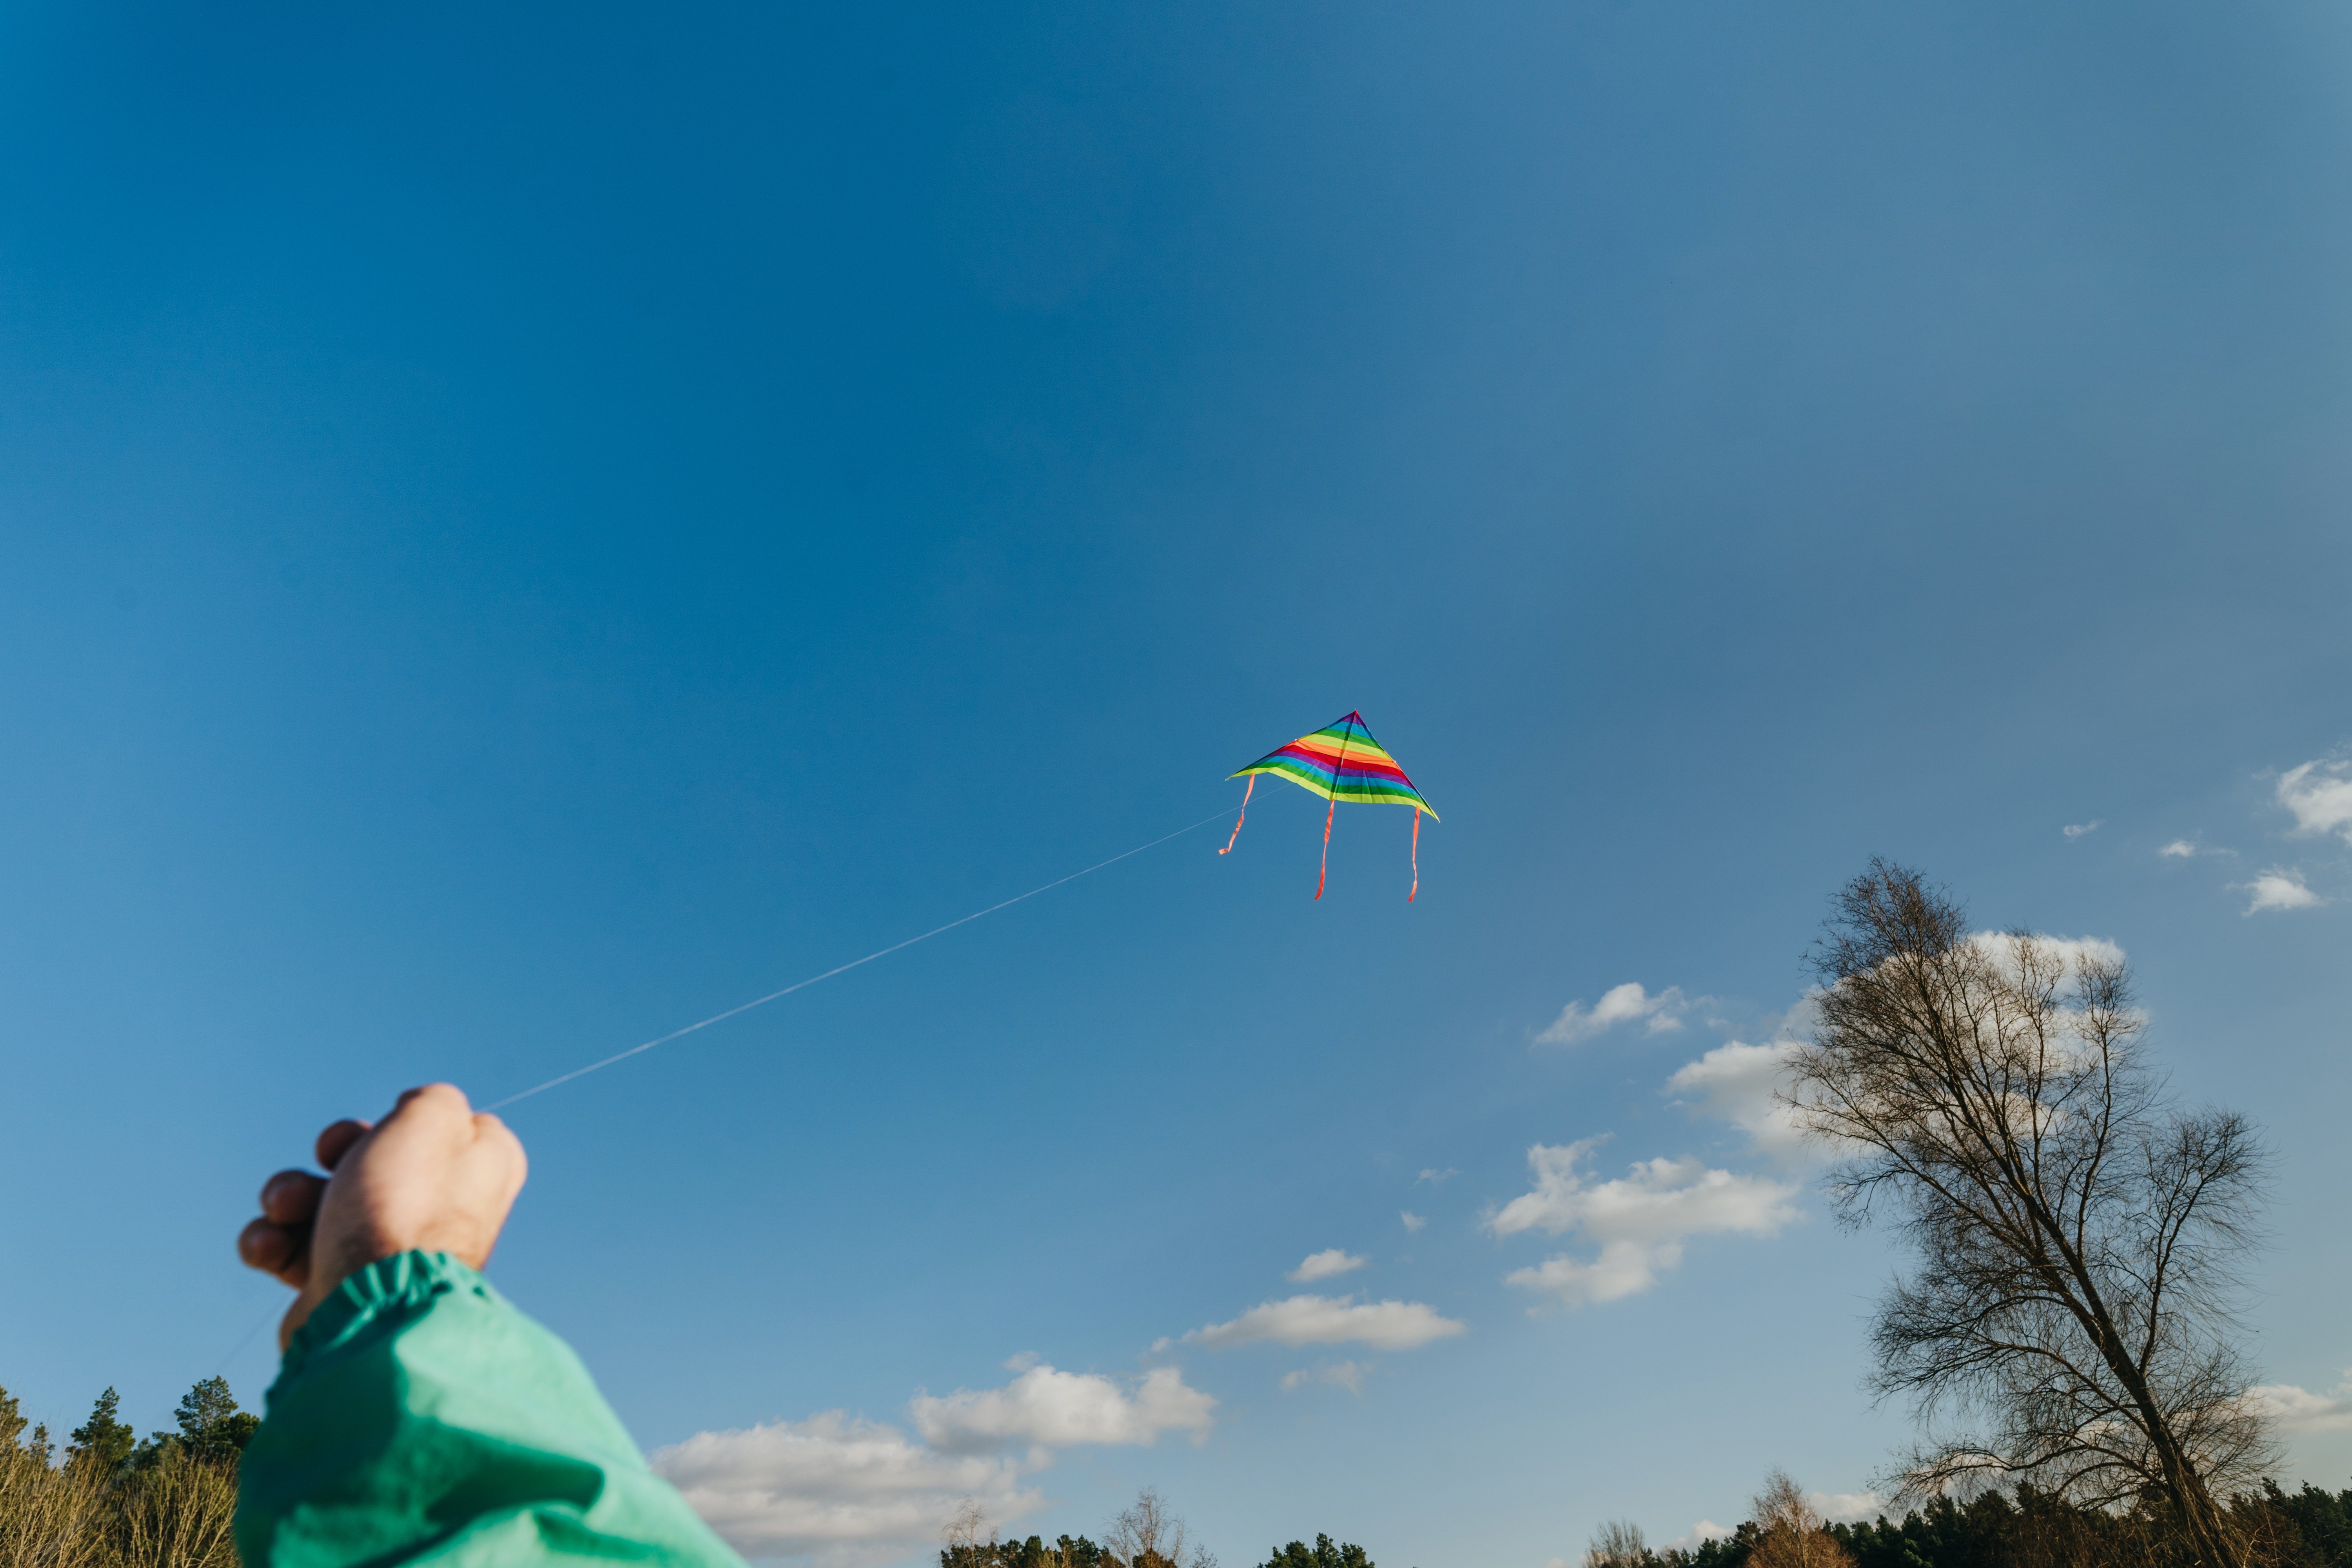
point(433, 1177)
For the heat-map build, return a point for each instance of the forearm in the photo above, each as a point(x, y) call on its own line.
point(420, 1418)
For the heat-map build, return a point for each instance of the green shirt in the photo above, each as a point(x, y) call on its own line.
point(418, 1418)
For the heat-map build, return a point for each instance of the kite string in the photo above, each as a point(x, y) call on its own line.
point(843, 969)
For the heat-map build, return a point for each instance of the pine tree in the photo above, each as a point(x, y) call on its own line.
point(104, 1440)
point(211, 1424)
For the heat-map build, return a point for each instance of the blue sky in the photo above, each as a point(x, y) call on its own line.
point(524, 530)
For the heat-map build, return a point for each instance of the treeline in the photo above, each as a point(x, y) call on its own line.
point(2025, 1529)
point(1034, 1553)
point(1080, 1553)
point(1145, 1534)
point(114, 1499)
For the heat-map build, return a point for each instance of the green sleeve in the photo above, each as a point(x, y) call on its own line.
point(420, 1418)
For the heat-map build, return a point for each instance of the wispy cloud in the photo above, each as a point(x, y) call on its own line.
point(2078, 829)
point(1436, 1178)
point(2280, 888)
point(2178, 849)
point(1332, 1321)
point(1413, 1221)
point(1847, 1508)
point(2319, 793)
point(1324, 1265)
point(1701, 1533)
point(1626, 1003)
point(2298, 1412)
point(1640, 1219)
point(1347, 1374)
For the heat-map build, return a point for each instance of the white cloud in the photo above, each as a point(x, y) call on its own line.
point(2076, 829)
point(1332, 1321)
point(1847, 1508)
point(2299, 1412)
point(2179, 849)
point(2280, 888)
point(1413, 1221)
point(1701, 1533)
point(1735, 1083)
point(1640, 1219)
point(1053, 1409)
point(1323, 1265)
point(847, 1491)
point(2073, 950)
point(1347, 1374)
point(841, 1491)
point(2320, 796)
point(1619, 1005)
point(1436, 1178)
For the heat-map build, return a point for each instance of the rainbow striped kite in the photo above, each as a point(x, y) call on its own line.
point(1339, 761)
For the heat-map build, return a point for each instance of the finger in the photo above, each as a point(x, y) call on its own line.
point(292, 1197)
point(495, 1138)
point(278, 1250)
point(438, 1100)
point(436, 1113)
point(337, 1140)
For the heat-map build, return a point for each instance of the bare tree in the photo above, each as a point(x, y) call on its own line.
point(1146, 1534)
point(969, 1530)
point(1617, 1544)
point(1789, 1531)
point(2078, 1234)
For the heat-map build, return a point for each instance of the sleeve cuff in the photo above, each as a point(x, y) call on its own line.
point(386, 1293)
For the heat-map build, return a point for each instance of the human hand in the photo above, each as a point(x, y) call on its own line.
point(433, 1177)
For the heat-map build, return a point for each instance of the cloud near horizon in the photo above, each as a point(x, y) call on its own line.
point(2299, 1413)
point(1640, 1219)
point(844, 1492)
point(1332, 1321)
point(848, 1492)
point(1847, 1508)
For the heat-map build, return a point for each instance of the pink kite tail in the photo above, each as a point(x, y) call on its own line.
point(1238, 820)
point(1326, 846)
point(1416, 854)
point(1339, 767)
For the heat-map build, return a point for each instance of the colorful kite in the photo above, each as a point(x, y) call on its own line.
point(1339, 761)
